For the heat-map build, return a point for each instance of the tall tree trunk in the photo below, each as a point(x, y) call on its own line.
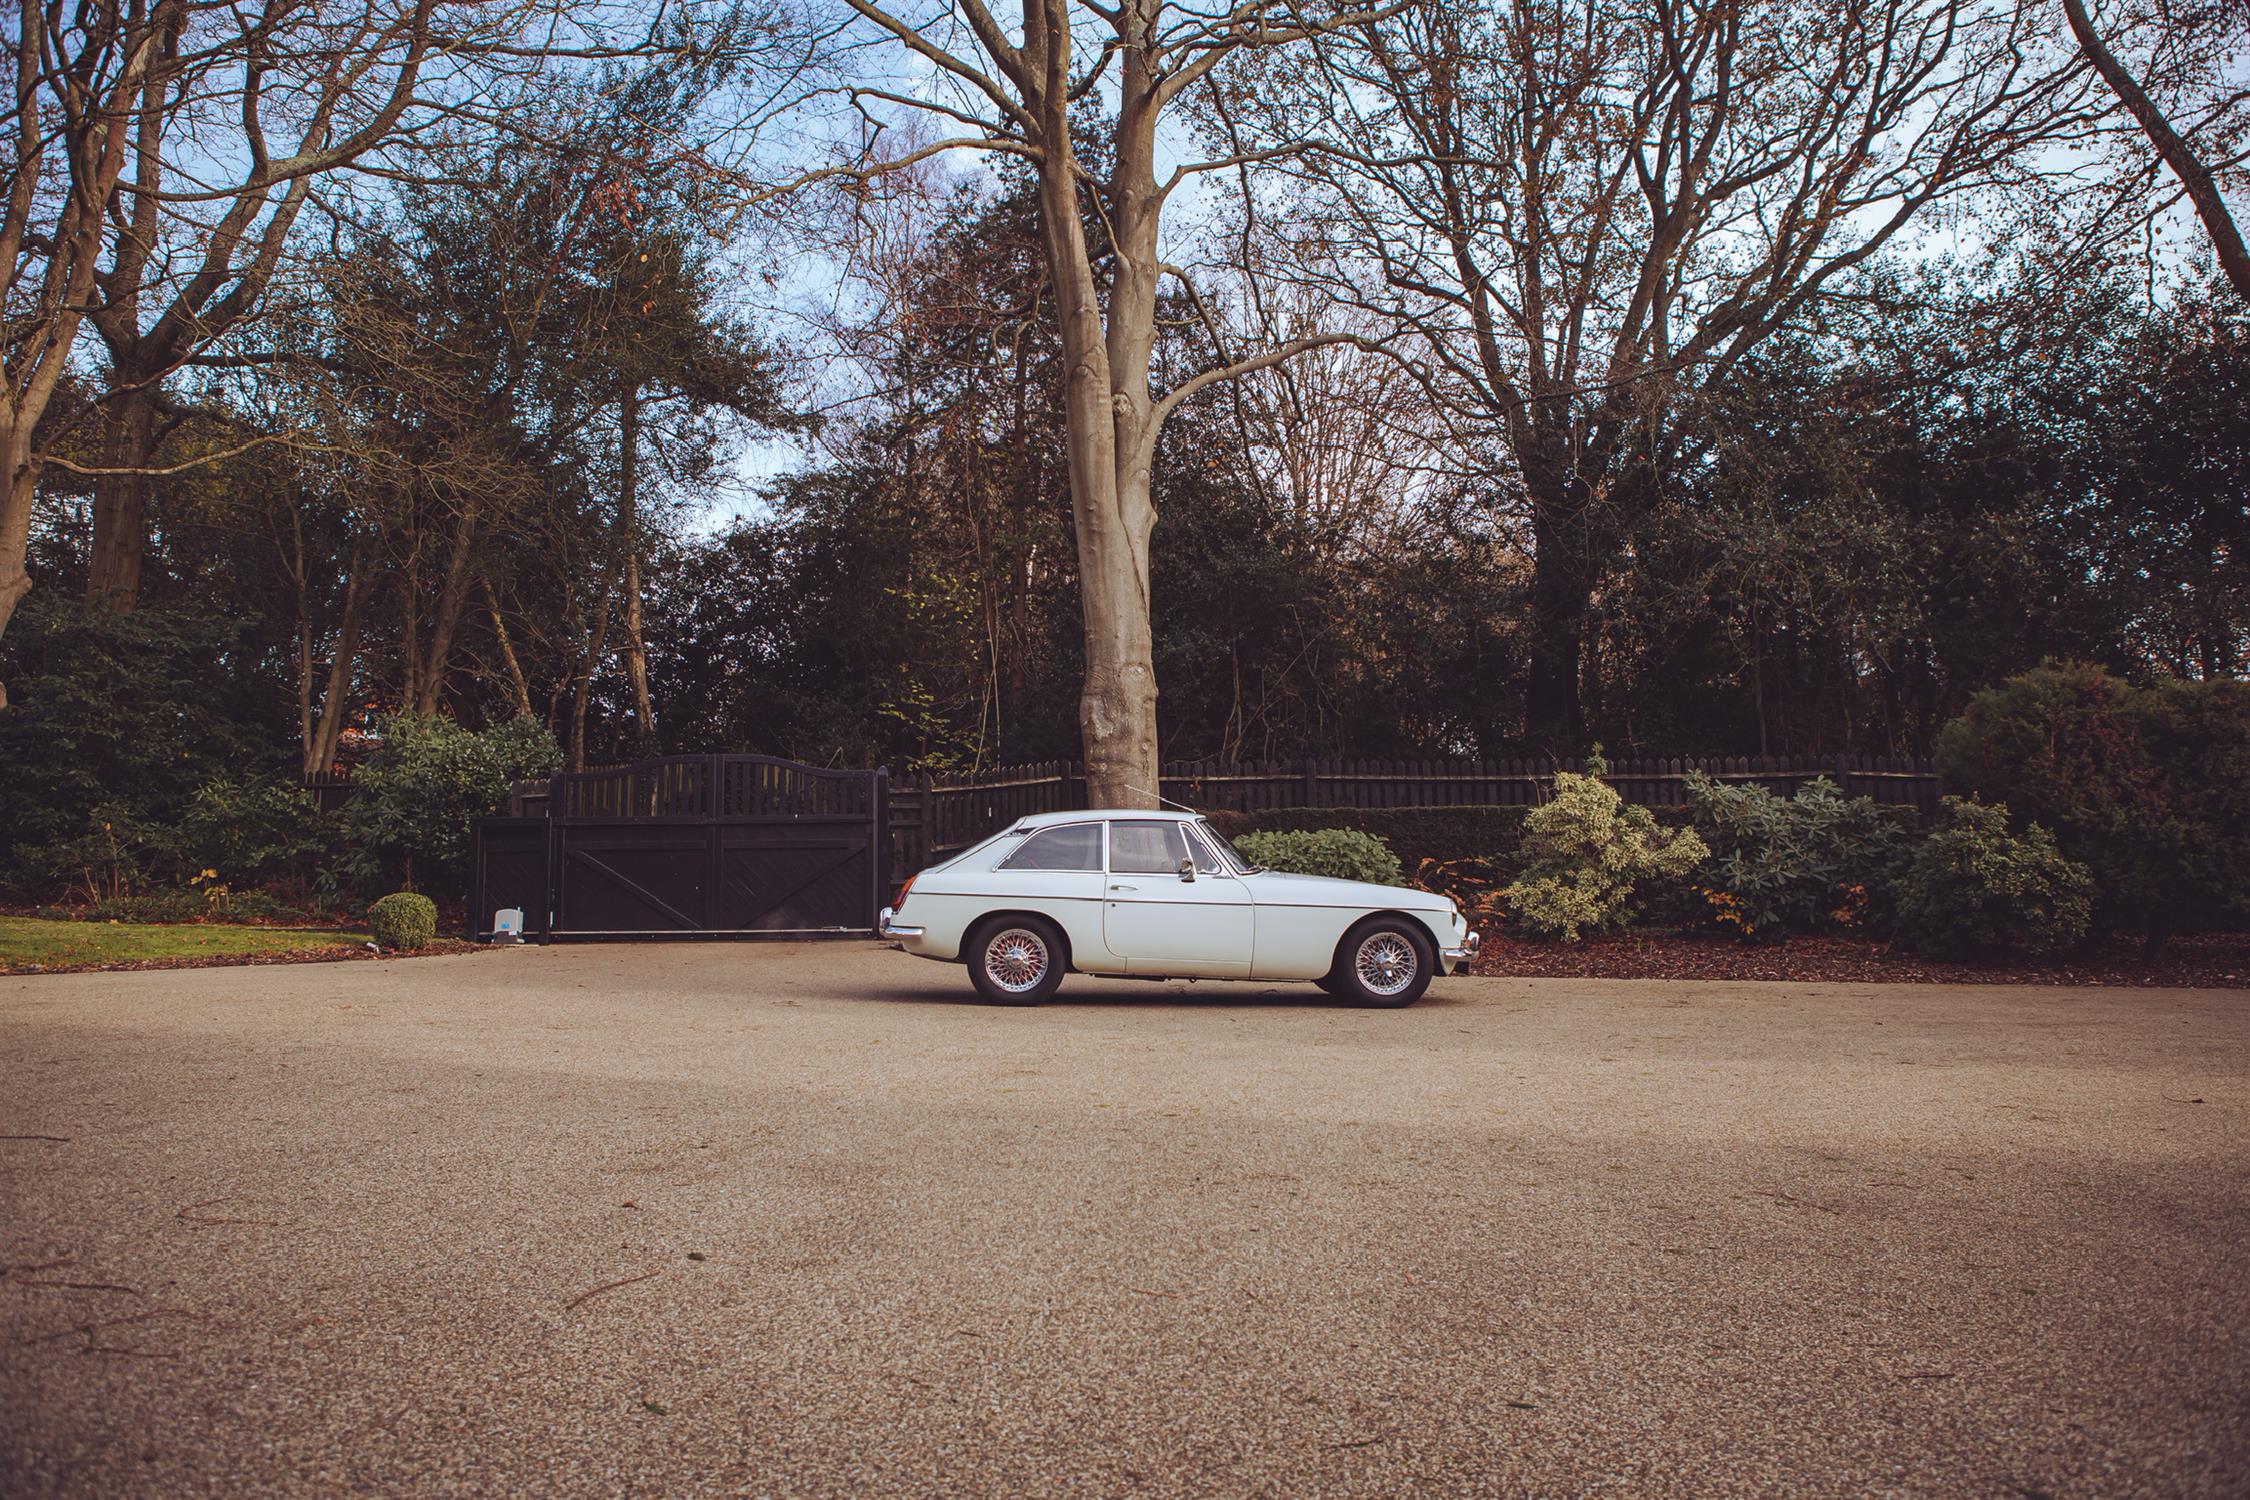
point(629, 541)
point(18, 480)
point(516, 679)
point(1106, 409)
point(335, 702)
point(453, 600)
point(113, 578)
point(597, 641)
point(1561, 596)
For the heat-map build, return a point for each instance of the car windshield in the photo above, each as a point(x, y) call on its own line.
point(1233, 855)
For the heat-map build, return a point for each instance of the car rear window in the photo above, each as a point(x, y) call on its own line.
point(1077, 846)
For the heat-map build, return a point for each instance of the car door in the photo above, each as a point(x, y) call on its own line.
point(1161, 923)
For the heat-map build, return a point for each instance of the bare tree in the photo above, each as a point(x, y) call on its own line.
point(1578, 209)
point(78, 83)
point(1027, 90)
point(2183, 96)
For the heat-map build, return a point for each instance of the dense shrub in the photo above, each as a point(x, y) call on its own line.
point(2146, 786)
point(1414, 834)
point(112, 723)
point(1805, 863)
point(403, 919)
point(1974, 887)
point(1583, 854)
point(257, 830)
point(412, 801)
point(1343, 853)
point(2199, 735)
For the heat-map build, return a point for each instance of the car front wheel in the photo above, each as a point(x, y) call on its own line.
point(1384, 962)
point(1016, 960)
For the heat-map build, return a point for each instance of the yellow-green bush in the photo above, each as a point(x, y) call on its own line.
point(1584, 852)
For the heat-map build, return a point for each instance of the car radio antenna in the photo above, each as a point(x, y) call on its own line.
point(1168, 802)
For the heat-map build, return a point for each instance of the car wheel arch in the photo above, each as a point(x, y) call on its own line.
point(1406, 919)
point(972, 936)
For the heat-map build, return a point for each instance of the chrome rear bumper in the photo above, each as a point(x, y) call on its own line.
point(885, 927)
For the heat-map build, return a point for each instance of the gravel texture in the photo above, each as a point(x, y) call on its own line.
point(802, 1220)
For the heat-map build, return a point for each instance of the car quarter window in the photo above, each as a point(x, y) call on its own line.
point(1075, 846)
point(1145, 848)
point(1206, 858)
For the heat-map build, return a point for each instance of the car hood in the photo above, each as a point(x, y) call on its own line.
point(1282, 888)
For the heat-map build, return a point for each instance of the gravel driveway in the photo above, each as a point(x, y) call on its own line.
point(799, 1219)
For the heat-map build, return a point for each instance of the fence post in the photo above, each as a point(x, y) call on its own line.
point(879, 855)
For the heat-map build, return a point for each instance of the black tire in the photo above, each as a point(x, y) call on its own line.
point(1016, 960)
point(1369, 964)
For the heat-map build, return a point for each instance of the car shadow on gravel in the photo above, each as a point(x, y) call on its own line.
point(1080, 991)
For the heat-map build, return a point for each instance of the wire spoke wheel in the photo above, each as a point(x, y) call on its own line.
point(1016, 959)
point(1386, 963)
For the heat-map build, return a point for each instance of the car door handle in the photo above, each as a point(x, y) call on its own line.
point(1124, 887)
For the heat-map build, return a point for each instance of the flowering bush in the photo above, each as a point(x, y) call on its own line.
point(1583, 854)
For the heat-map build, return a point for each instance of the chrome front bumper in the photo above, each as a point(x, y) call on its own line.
point(1457, 959)
point(885, 927)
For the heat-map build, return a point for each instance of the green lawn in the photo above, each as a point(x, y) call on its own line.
point(26, 941)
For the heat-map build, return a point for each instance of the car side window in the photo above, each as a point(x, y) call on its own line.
point(1150, 848)
point(1077, 846)
point(1206, 858)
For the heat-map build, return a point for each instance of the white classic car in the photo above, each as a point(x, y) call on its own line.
point(1164, 895)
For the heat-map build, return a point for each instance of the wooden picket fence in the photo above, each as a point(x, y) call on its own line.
point(931, 817)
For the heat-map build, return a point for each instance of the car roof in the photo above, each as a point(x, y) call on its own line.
point(1087, 815)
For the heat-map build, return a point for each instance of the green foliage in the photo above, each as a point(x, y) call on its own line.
point(255, 830)
point(1976, 888)
point(113, 722)
point(1416, 834)
point(2144, 785)
point(413, 800)
point(2199, 733)
point(1342, 853)
point(403, 919)
point(1584, 852)
point(1798, 864)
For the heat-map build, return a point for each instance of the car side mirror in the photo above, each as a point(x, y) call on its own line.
point(1187, 869)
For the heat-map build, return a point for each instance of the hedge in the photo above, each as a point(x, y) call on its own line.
point(1413, 833)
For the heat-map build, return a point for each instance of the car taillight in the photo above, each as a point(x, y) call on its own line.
point(900, 900)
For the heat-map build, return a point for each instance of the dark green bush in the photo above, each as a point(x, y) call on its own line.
point(1344, 853)
point(112, 723)
point(2199, 734)
point(1805, 863)
point(1414, 834)
point(2146, 786)
point(256, 830)
point(1976, 888)
point(403, 919)
point(412, 801)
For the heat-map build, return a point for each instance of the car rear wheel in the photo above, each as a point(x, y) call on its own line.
point(1386, 962)
point(1016, 960)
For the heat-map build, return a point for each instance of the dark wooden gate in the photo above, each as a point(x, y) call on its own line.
point(691, 845)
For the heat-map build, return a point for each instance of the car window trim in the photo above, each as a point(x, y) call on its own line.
point(1101, 857)
point(1109, 844)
